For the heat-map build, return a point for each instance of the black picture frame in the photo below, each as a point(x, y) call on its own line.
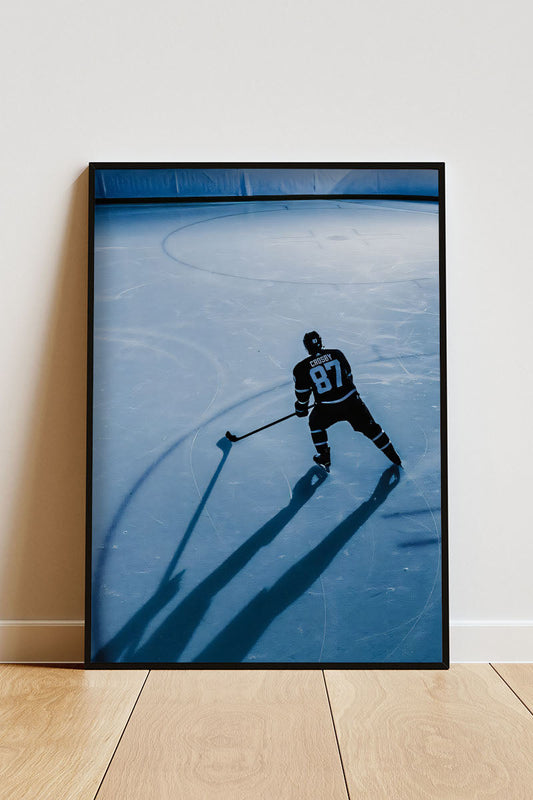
point(153, 189)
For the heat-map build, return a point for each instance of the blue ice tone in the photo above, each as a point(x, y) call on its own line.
point(211, 552)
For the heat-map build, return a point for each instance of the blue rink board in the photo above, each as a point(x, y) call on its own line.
point(208, 552)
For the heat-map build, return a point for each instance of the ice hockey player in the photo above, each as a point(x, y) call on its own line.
point(327, 375)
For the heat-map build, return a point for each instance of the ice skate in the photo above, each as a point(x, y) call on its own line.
point(323, 460)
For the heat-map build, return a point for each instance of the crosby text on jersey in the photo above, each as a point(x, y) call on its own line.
point(326, 375)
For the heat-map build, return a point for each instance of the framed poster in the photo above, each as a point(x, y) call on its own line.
point(267, 416)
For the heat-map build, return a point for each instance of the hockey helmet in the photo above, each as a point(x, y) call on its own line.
point(312, 342)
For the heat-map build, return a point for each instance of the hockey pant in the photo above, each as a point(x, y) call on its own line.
point(354, 411)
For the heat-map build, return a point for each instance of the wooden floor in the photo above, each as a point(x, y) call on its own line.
point(70, 734)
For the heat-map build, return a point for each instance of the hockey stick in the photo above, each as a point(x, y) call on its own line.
point(233, 438)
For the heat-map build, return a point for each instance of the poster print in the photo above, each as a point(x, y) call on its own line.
point(267, 444)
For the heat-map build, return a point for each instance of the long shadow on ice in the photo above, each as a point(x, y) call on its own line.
point(99, 567)
point(239, 636)
point(168, 642)
point(129, 636)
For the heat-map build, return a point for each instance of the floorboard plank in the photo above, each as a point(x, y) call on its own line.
point(59, 728)
point(520, 679)
point(453, 735)
point(250, 734)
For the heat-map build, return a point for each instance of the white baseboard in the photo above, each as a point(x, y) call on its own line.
point(61, 641)
point(41, 641)
point(491, 642)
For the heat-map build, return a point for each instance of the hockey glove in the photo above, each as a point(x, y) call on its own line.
point(301, 409)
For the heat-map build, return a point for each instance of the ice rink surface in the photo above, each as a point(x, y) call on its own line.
point(211, 552)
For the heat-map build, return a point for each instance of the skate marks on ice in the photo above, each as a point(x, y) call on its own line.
point(414, 515)
point(241, 634)
point(122, 646)
point(123, 506)
point(345, 240)
point(356, 469)
point(168, 642)
point(437, 575)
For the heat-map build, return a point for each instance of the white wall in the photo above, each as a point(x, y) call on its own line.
point(169, 80)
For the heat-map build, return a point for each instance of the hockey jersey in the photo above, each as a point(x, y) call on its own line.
point(327, 375)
